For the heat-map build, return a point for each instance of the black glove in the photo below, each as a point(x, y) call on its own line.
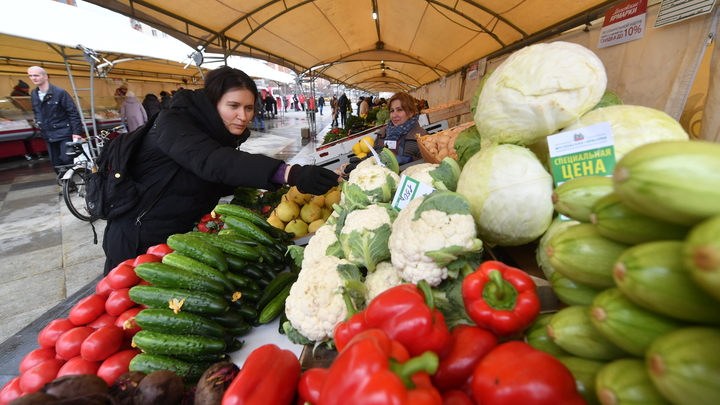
point(313, 180)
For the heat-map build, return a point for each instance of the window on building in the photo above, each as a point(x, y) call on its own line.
point(154, 33)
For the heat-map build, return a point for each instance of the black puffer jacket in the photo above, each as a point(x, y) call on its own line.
point(188, 139)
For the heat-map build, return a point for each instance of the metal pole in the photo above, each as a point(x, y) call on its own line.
point(77, 98)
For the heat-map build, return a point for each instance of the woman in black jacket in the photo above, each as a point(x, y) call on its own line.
point(189, 160)
point(152, 104)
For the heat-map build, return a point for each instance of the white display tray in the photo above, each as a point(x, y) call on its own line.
point(262, 335)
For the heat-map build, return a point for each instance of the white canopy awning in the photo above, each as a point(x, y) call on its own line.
point(251, 67)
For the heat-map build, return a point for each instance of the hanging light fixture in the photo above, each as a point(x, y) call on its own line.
point(374, 15)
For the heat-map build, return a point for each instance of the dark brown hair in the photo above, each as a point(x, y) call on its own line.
point(407, 102)
point(223, 79)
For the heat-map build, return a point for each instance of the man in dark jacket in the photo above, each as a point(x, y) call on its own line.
point(56, 115)
point(165, 99)
point(343, 104)
point(321, 104)
point(152, 105)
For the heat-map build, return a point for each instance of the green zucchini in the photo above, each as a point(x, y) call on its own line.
point(274, 288)
point(701, 253)
point(197, 302)
point(685, 365)
point(625, 381)
point(537, 337)
point(615, 220)
point(248, 229)
point(199, 250)
point(571, 329)
point(163, 343)
point(584, 371)
point(228, 246)
point(275, 306)
point(162, 275)
point(570, 292)
point(149, 363)
point(182, 323)
point(249, 215)
point(584, 256)
point(229, 319)
point(627, 325)
point(189, 264)
point(575, 197)
point(653, 275)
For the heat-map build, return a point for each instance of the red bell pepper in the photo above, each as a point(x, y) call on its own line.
point(160, 250)
point(455, 397)
point(310, 385)
point(515, 373)
point(407, 314)
point(470, 344)
point(374, 369)
point(269, 376)
point(500, 298)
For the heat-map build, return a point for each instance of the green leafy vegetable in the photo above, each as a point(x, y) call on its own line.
point(467, 144)
point(446, 175)
point(444, 201)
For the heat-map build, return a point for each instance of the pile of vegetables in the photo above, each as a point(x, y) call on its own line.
point(442, 144)
point(299, 213)
point(638, 266)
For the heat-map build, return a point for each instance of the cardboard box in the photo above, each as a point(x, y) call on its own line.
point(305, 132)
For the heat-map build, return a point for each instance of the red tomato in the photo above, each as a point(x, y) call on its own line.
point(68, 345)
point(102, 320)
point(34, 379)
point(36, 356)
point(103, 288)
point(123, 276)
point(78, 365)
point(118, 302)
point(102, 344)
point(11, 391)
point(116, 365)
point(88, 309)
point(146, 258)
point(130, 329)
point(144, 282)
point(160, 250)
point(50, 334)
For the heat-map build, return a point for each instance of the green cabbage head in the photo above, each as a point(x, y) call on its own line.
point(510, 194)
point(633, 126)
point(539, 90)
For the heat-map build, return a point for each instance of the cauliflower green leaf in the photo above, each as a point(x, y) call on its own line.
point(444, 201)
point(467, 144)
point(446, 175)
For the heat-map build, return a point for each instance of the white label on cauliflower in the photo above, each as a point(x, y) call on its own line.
point(408, 190)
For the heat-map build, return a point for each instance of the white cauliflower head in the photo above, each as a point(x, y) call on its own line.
point(377, 182)
point(422, 246)
point(318, 244)
point(385, 277)
point(315, 304)
point(421, 172)
point(364, 235)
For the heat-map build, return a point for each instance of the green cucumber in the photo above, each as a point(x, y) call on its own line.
point(199, 250)
point(672, 181)
point(685, 365)
point(625, 381)
point(237, 280)
point(264, 253)
point(233, 344)
point(283, 319)
point(653, 275)
point(537, 337)
point(275, 306)
point(163, 343)
point(213, 357)
point(240, 330)
point(235, 264)
point(233, 235)
point(249, 295)
point(248, 229)
point(229, 319)
point(253, 271)
point(615, 220)
point(584, 371)
point(197, 302)
point(247, 312)
point(274, 288)
point(228, 246)
point(182, 323)
point(701, 254)
point(584, 256)
point(575, 197)
point(249, 215)
point(627, 325)
point(570, 292)
point(162, 275)
point(148, 363)
point(189, 264)
point(571, 329)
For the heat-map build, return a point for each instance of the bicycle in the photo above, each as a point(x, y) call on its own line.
point(85, 152)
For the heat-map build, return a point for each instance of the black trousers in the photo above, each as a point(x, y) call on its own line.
point(58, 153)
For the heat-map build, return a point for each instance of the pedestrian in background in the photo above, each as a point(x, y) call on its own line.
point(56, 115)
point(151, 104)
point(120, 94)
point(334, 108)
point(259, 122)
point(132, 112)
point(343, 104)
point(321, 104)
point(165, 99)
point(360, 100)
point(270, 106)
point(301, 100)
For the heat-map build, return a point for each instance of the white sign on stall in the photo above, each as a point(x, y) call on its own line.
point(623, 23)
point(409, 188)
point(672, 11)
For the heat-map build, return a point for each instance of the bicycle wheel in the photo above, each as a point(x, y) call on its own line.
point(74, 194)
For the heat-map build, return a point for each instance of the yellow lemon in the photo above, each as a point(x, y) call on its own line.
point(363, 146)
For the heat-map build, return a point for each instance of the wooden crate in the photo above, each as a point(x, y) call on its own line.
point(457, 109)
point(430, 157)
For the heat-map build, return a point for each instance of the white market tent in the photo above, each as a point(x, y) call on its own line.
point(427, 46)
